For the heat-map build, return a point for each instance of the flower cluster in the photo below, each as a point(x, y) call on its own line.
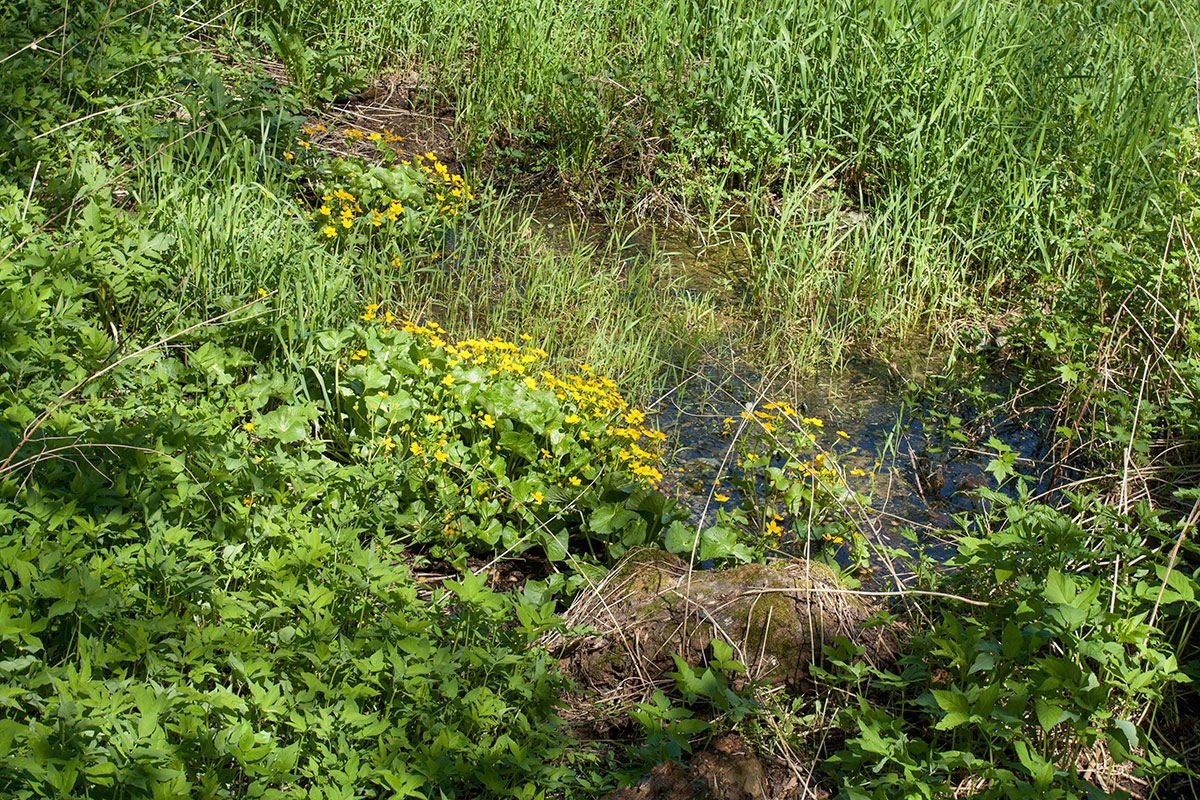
point(524, 455)
point(389, 199)
point(790, 482)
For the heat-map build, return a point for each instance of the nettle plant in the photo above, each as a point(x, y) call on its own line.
point(389, 202)
point(793, 488)
point(496, 453)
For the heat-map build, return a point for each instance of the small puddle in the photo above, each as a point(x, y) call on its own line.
point(921, 483)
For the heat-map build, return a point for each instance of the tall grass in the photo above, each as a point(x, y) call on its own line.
point(237, 228)
point(978, 136)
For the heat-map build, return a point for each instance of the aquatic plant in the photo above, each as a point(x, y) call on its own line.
point(516, 456)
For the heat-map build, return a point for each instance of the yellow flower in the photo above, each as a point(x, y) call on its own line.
point(574, 481)
point(249, 427)
point(325, 210)
point(433, 419)
point(329, 231)
point(247, 501)
point(571, 419)
point(289, 155)
point(488, 422)
point(538, 497)
point(347, 222)
point(721, 498)
point(843, 434)
point(448, 380)
point(773, 529)
point(416, 449)
point(440, 456)
point(262, 292)
point(424, 363)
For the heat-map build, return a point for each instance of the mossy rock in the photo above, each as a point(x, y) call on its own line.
point(777, 618)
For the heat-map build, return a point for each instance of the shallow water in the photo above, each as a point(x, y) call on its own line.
point(918, 485)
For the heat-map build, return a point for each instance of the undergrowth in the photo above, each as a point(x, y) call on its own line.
point(255, 388)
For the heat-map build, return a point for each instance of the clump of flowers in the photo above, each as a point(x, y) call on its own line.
point(385, 200)
point(499, 452)
point(794, 488)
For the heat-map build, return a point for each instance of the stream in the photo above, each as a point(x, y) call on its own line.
point(922, 479)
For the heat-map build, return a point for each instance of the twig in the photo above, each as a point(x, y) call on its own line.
point(28, 197)
point(860, 592)
point(122, 107)
point(1183, 532)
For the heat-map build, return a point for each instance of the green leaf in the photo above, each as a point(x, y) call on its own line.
point(956, 706)
point(1059, 588)
point(288, 424)
point(1049, 714)
point(680, 538)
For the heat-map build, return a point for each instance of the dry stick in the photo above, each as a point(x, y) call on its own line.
point(864, 593)
point(199, 28)
point(96, 40)
point(1127, 456)
point(122, 107)
point(861, 510)
point(704, 512)
point(32, 182)
point(62, 398)
point(31, 46)
point(1183, 531)
point(856, 502)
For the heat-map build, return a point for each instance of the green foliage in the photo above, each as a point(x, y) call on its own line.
point(497, 456)
point(793, 489)
point(1067, 657)
point(194, 603)
point(708, 702)
point(1133, 314)
point(212, 491)
point(272, 653)
point(318, 75)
